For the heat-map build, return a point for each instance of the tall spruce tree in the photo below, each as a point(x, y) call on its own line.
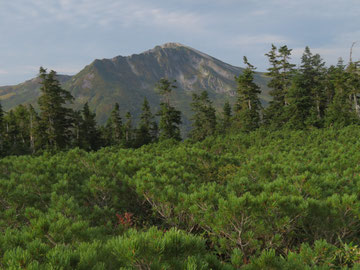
point(226, 118)
point(22, 116)
point(170, 118)
point(248, 105)
point(280, 72)
point(353, 71)
point(34, 132)
point(300, 104)
point(90, 138)
point(76, 128)
point(204, 118)
point(147, 126)
point(13, 143)
point(286, 69)
point(313, 76)
point(56, 119)
point(340, 110)
point(128, 130)
point(306, 96)
point(113, 131)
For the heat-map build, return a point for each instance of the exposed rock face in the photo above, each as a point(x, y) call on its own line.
point(127, 80)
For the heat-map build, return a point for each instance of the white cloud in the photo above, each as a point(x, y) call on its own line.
point(169, 19)
point(262, 39)
point(87, 13)
point(3, 72)
point(67, 32)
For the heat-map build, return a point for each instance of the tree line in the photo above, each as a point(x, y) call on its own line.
point(309, 96)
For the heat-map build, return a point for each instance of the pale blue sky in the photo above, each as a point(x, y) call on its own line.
point(66, 35)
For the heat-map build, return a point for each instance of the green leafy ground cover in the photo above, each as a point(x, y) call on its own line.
point(263, 200)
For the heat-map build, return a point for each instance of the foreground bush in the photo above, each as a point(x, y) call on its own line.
point(286, 199)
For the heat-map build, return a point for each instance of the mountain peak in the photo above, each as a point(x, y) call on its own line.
point(168, 45)
point(172, 45)
point(128, 79)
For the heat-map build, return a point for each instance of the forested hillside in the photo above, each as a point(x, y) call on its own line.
point(263, 200)
point(304, 97)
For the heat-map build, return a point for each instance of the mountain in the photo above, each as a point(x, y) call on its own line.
point(23, 93)
point(127, 80)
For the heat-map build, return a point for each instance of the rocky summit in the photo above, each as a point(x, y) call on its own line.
point(128, 80)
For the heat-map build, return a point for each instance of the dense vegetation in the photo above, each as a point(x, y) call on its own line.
point(310, 96)
point(252, 188)
point(264, 199)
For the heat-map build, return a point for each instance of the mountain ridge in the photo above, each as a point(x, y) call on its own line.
point(129, 79)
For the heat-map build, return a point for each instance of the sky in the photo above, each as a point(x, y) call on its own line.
point(67, 35)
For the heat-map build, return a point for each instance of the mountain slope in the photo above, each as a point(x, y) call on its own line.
point(26, 92)
point(127, 80)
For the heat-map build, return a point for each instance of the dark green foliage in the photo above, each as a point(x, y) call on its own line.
point(247, 106)
point(113, 131)
point(307, 96)
point(55, 120)
point(225, 120)
point(128, 130)
point(340, 111)
point(314, 71)
point(16, 133)
point(20, 132)
point(204, 118)
point(280, 72)
point(34, 130)
point(353, 71)
point(258, 200)
point(89, 135)
point(170, 118)
point(301, 107)
point(147, 129)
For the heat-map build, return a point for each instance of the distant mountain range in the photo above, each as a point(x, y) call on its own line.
point(127, 80)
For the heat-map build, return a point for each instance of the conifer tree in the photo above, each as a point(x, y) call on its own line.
point(340, 110)
point(248, 105)
point(76, 129)
point(12, 138)
point(154, 131)
point(280, 72)
point(147, 126)
point(353, 71)
point(114, 127)
point(226, 118)
point(22, 119)
point(204, 118)
point(89, 134)
point(128, 130)
point(56, 120)
point(313, 76)
point(33, 129)
point(306, 96)
point(170, 118)
point(300, 104)
point(286, 68)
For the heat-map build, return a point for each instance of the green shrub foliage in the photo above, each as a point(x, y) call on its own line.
point(258, 200)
